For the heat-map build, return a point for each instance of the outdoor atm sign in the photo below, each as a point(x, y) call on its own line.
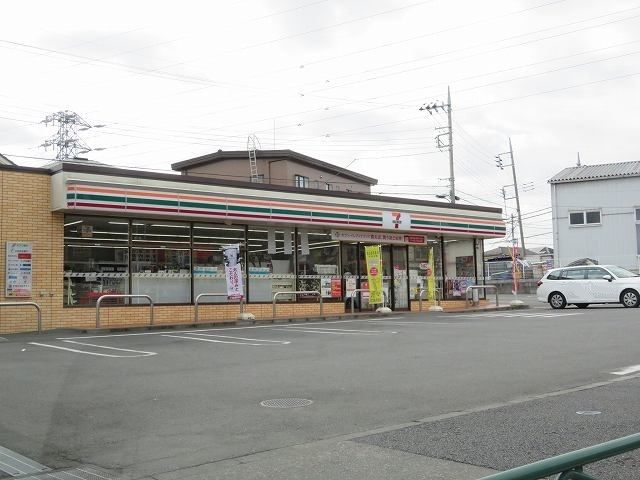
point(18, 269)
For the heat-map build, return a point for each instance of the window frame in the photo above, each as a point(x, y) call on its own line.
point(301, 181)
point(584, 213)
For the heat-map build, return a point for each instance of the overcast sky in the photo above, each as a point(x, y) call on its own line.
point(336, 80)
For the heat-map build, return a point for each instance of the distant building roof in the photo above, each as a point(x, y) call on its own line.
point(269, 154)
point(500, 252)
point(5, 161)
point(75, 161)
point(597, 172)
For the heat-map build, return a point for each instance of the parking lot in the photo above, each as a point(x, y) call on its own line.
point(179, 403)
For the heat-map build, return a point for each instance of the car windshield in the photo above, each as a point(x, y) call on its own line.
point(621, 272)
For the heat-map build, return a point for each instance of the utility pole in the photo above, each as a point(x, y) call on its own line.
point(452, 178)
point(434, 106)
point(515, 186)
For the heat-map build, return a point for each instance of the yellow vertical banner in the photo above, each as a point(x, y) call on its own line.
point(373, 255)
point(431, 277)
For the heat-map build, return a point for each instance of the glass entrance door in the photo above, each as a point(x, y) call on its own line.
point(400, 282)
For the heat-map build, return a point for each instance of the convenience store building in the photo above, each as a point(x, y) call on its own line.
point(90, 230)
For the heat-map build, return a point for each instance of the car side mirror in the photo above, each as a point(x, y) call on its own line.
point(608, 278)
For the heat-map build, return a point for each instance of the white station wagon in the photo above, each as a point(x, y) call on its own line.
point(583, 285)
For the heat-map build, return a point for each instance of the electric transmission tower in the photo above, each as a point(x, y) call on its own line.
point(66, 141)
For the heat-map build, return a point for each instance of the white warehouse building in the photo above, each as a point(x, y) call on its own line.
point(596, 214)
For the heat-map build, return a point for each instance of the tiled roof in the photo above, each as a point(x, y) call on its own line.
point(597, 172)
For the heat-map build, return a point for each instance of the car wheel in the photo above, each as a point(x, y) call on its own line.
point(557, 300)
point(582, 305)
point(629, 298)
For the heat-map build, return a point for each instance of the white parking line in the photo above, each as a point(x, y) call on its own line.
point(627, 370)
point(213, 340)
point(216, 329)
point(282, 342)
point(515, 315)
point(327, 332)
point(337, 329)
point(148, 354)
point(144, 354)
point(420, 323)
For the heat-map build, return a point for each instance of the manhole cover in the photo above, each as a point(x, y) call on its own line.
point(286, 402)
point(588, 412)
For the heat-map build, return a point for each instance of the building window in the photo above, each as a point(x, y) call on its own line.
point(270, 263)
point(208, 262)
point(161, 261)
point(301, 182)
point(420, 270)
point(257, 179)
point(96, 259)
point(318, 263)
point(587, 217)
point(460, 270)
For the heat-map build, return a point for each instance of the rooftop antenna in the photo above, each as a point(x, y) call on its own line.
point(578, 164)
point(252, 141)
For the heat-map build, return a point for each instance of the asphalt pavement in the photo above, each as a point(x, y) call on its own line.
point(402, 396)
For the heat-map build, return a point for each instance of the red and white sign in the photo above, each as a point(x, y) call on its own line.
point(395, 220)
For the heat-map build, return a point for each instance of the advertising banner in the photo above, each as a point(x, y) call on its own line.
point(18, 269)
point(431, 277)
point(233, 271)
point(373, 255)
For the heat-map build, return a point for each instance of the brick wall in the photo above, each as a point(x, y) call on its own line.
point(25, 215)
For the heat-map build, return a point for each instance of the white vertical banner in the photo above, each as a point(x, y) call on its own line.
point(233, 270)
point(286, 236)
point(304, 242)
point(271, 241)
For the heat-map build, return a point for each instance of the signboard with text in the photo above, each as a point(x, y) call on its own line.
point(377, 237)
point(19, 269)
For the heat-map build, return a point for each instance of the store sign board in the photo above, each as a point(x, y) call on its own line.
point(19, 269)
point(395, 220)
point(377, 237)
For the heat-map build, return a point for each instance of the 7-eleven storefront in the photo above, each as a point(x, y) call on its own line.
point(99, 230)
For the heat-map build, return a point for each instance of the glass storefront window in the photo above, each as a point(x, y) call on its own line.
point(270, 263)
point(420, 269)
point(96, 259)
point(208, 262)
point(349, 258)
point(459, 267)
point(161, 261)
point(318, 263)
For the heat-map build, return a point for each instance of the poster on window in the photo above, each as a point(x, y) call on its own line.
point(18, 269)
point(233, 271)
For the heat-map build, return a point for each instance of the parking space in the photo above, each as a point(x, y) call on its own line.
point(126, 345)
point(170, 399)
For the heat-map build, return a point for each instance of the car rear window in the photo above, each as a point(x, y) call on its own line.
point(553, 276)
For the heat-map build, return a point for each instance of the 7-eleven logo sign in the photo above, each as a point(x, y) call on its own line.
point(396, 220)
